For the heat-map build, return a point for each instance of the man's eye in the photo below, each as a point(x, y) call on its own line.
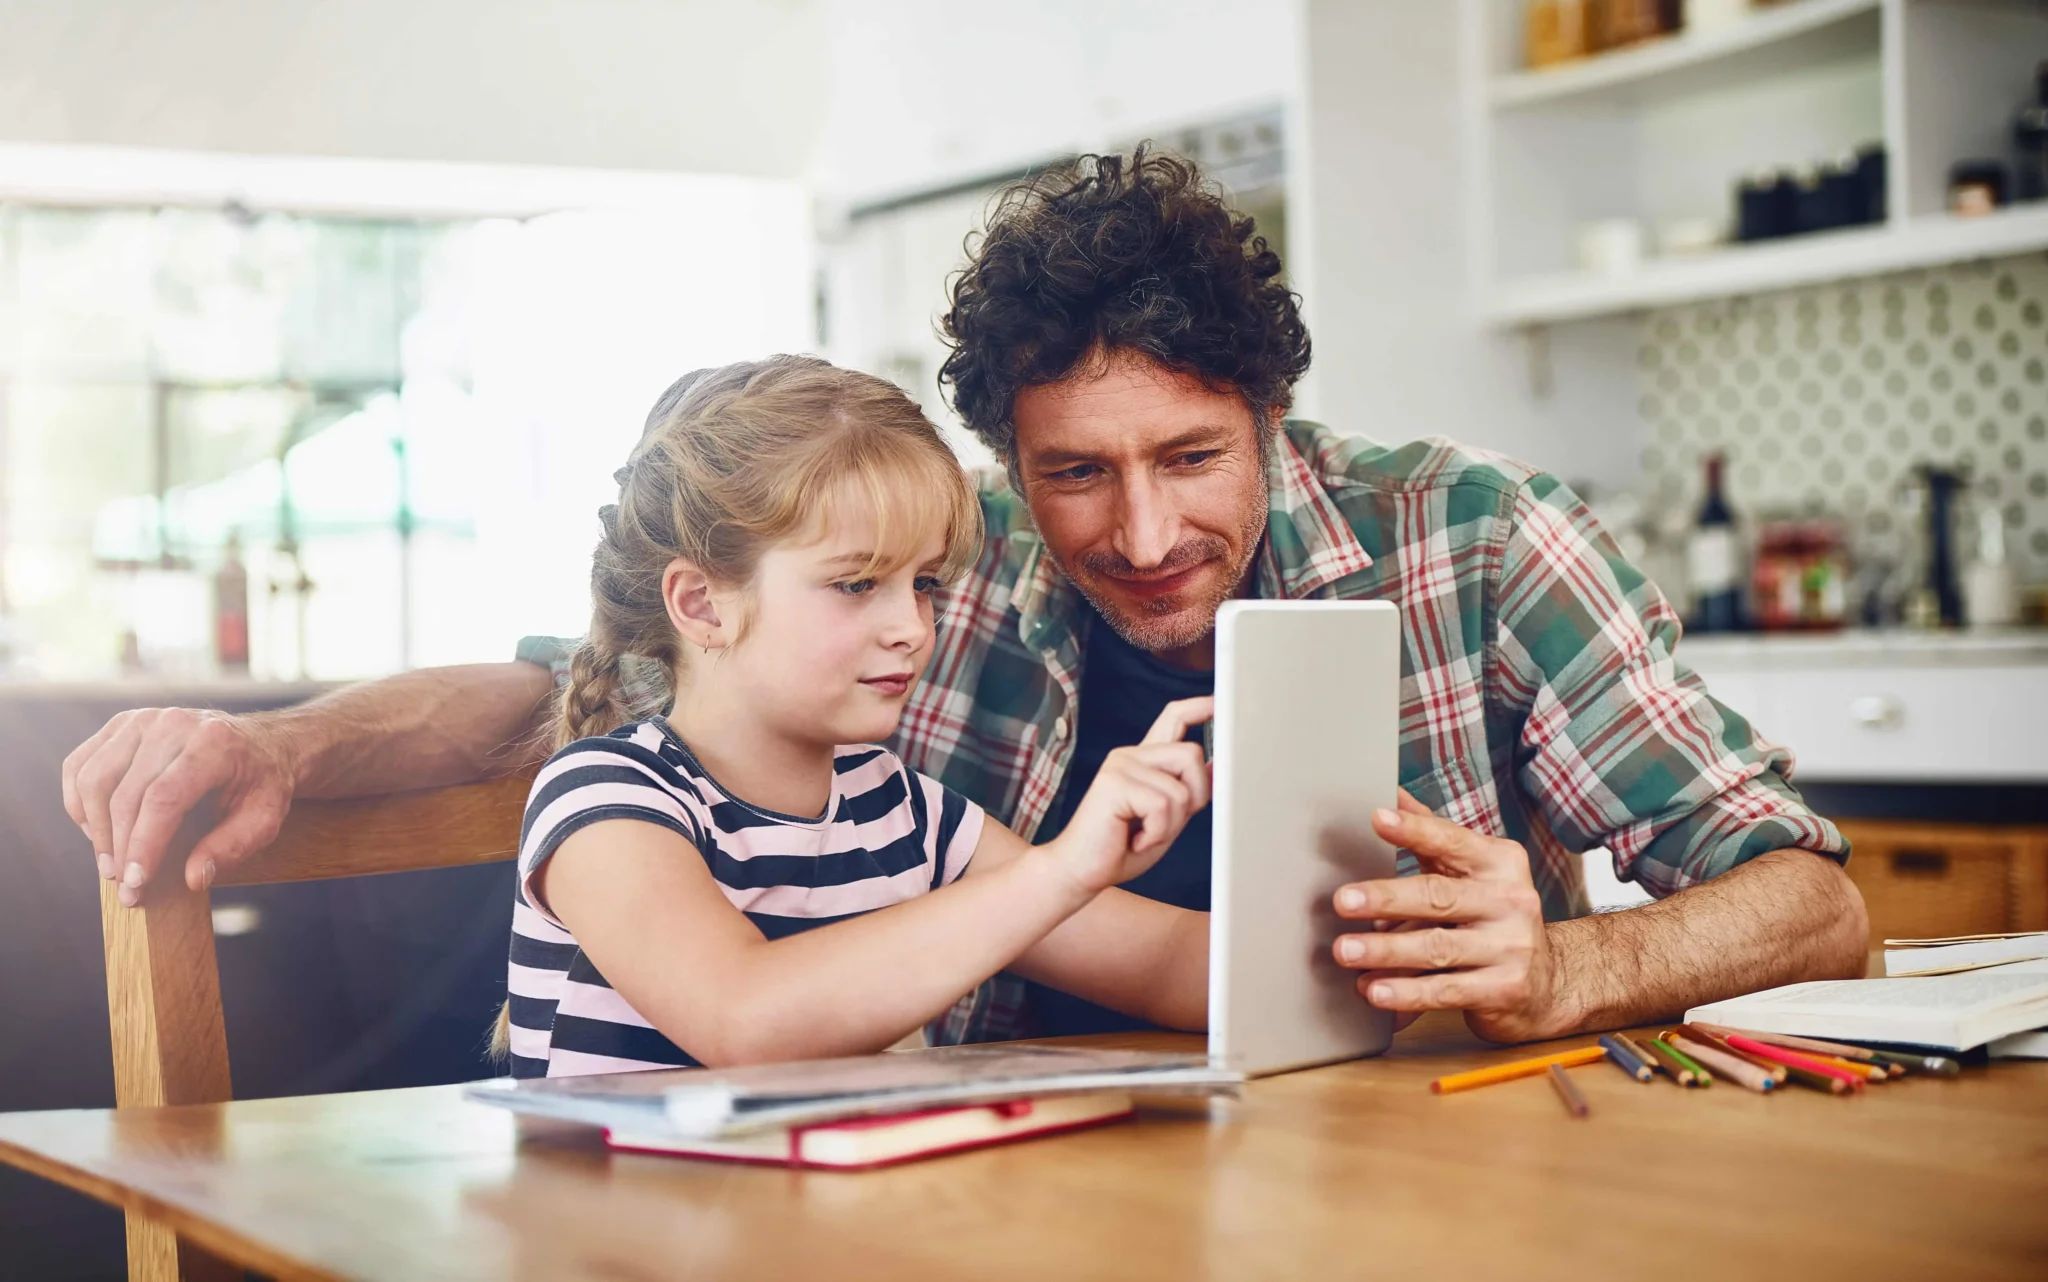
point(1078, 472)
point(1195, 458)
point(856, 587)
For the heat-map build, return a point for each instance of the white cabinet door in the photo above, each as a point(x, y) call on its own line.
point(1986, 723)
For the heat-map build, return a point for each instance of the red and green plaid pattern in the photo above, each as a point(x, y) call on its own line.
point(1541, 697)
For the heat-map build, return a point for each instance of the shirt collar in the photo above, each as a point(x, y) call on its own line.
point(1308, 546)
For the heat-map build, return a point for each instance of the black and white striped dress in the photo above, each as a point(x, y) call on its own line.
point(887, 835)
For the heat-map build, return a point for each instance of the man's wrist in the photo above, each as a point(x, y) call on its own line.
point(1564, 1011)
point(293, 738)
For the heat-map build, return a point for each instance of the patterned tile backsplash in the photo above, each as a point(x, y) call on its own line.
point(1824, 399)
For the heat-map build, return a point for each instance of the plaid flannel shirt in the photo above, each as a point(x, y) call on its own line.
point(1541, 700)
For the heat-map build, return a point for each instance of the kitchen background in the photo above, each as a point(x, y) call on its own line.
point(322, 328)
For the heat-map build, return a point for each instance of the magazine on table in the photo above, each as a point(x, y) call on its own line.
point(697, 1103)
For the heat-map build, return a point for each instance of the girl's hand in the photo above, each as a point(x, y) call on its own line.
point(1140, 800)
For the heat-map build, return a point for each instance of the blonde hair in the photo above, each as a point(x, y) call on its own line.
point(732, 461)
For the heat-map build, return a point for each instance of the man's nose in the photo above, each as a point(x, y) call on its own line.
point(1149, 526)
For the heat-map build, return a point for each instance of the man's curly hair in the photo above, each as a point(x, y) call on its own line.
point(1108, 254)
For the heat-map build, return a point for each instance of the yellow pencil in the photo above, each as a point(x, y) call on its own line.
point(1519, 1068)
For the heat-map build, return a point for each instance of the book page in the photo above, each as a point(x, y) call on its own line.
point(1958, 994)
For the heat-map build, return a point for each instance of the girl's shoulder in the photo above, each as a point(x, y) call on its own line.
point(643, 754)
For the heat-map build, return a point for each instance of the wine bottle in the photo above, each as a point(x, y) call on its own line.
point(1712, 560)
point(231, 610)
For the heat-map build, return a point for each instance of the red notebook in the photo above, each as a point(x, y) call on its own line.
point(862, 1143)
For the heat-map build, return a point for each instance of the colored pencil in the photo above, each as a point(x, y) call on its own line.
point(1518, 1068)
point(1642, 1052)
point(1574, 1103)
point(1810, 1045)
point(1793, 1059)
point(1868, 1072)
point(1939, 1065)
point(1625, 1059)
point(1699, 1072)
point(1771, 1068)
point(1680, 1069)
point(1735, 1069)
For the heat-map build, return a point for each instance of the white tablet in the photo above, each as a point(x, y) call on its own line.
point(1305, 747)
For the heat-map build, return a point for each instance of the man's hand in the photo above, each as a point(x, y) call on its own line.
point(131, 785)
point(1467, 934)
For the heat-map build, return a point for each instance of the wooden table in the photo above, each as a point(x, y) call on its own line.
point(1350, 1170)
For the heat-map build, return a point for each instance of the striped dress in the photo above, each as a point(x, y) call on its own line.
point(887, 835)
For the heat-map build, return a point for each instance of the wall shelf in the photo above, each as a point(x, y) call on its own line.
point(1663, 132)
point(1928, 241)
point(1653, 67)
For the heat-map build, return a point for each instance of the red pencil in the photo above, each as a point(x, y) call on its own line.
point(1751, 1046)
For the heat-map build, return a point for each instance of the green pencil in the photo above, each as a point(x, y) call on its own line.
point(1682, 1070)
point(1698, 1070)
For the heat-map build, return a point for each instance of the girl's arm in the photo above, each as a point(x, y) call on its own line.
point(1123, 951)
point(644, 907)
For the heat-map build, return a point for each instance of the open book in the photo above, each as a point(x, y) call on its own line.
point(1953, 1012)
point(1962, 952)
point(696, 1103)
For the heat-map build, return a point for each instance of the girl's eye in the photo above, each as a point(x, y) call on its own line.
point(926, 584)
point(856, 587)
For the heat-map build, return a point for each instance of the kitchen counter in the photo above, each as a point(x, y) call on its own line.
point(1890, 647)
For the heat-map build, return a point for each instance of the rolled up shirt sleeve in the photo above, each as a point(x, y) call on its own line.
point(1621, 745)
point(551, 653)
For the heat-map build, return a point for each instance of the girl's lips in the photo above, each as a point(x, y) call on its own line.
point(888, 685)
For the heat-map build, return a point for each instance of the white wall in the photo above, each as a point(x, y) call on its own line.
point(929, 91)
point(690, 85)
point(1378, 221)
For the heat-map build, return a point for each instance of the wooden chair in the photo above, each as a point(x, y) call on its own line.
point(163, 985)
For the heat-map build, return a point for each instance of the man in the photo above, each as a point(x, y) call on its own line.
point(1123, 342)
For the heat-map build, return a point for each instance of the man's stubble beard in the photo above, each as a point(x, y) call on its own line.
point(1188, 625)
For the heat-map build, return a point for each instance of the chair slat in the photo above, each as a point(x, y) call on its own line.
point(475, 823)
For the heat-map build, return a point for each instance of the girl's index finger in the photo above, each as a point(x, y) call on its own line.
point(1176, 717)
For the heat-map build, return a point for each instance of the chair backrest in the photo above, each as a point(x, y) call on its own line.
point(163, 984)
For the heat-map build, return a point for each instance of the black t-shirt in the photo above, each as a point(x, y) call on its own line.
point(1123, 691)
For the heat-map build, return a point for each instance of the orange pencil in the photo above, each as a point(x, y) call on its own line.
point(1519, 1068)
point(1868, 1072)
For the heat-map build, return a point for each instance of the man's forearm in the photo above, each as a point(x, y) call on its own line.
point(423, 729)
point(1781, 918)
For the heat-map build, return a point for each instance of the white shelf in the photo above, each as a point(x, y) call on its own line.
point(1779, 264)
point(1655, 67)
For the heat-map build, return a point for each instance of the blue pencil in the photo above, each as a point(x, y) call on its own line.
point(1625, 1059)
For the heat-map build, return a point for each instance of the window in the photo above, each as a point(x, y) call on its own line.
point(406, 425)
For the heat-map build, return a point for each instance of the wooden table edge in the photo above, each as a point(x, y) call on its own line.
point(240, 1251)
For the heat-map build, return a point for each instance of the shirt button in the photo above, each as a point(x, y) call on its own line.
point(1059, 727)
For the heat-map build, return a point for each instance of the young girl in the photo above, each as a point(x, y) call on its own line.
point(747, 878)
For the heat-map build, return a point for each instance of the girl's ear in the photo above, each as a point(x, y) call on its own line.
point(688, 594)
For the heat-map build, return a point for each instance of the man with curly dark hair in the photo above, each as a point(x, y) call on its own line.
point(1125, 343)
